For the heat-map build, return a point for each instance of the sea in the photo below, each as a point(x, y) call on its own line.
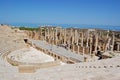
point(85, 26)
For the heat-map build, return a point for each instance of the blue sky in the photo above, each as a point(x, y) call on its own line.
point(102, 12)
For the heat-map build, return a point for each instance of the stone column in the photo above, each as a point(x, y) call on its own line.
point(72, 38)
point(90, 48)
point(76, 37)
point(69, 40)
point(73, 41)
point(108, 45)
point(41, 33)
point(49, 32)
point(64, 36)
point(60, 37)
point(82, 39)
point(48, 35)
point(96, 45)
point(45, 33)
point(50, 40)
point(56, 37)
point(108, 34)
point(91, 43)
point(113, 42)
point(53, 36)
point(87, 38)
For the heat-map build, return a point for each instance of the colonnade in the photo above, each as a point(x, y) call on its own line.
point(78, 40)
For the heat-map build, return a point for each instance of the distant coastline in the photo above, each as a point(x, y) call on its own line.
point(104, 27)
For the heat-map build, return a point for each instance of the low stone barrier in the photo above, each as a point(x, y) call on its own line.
point(13, 62)
point(40, 65)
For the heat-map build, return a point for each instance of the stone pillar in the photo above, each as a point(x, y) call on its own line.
point(64, 36)
point(90, 48)
point(76, 37)
point(56, 38)
point(108, 34)
point(108, 44)
point(82, 39)
point(96, 45)
point(87, 38)
point(71, 33)
point(50, 39)
point(45, 33)
point(49, 32)
point(48, 35)
point(53, 36)
point(60, 36)
point(41, 34)
point(72, 41)
point(91, 43)
point(69, 41)
point(113, 42)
